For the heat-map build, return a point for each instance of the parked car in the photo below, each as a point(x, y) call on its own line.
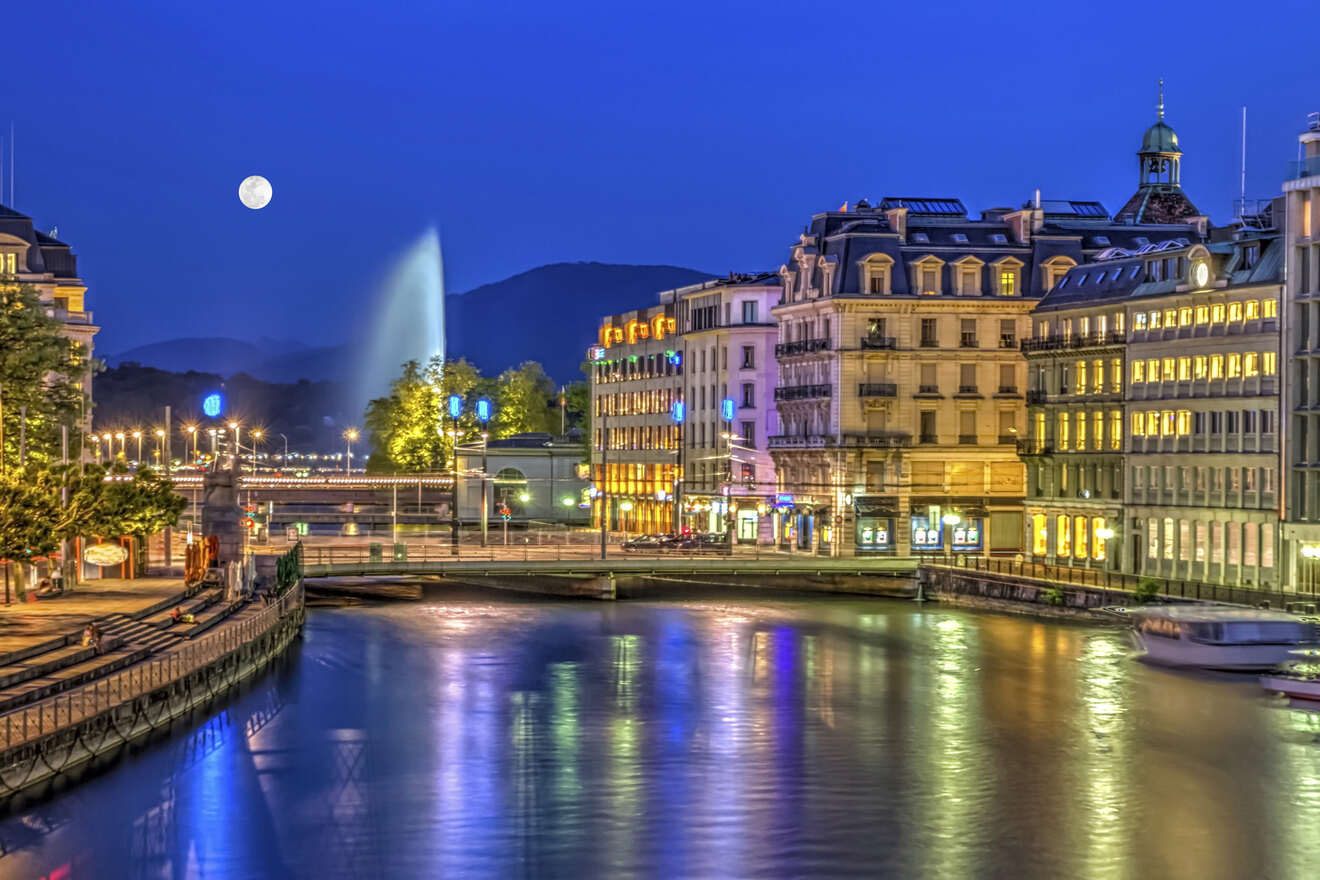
point(645, 542)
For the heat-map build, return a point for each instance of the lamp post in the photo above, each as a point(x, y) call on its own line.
point(137, 435)
point(256, 435)
point(624, 507)
point(949, 519)
point(160, 447)
point(123, 443)
point(215, 443)
point(238, 444)
point(604, 483)
point(455, 410)
point(109, 448)
point(1105, 533)
point(285, 461)
point(483, 416)
point(349, 436)
point(726, 412)
point(678, 413)
point(191, 431)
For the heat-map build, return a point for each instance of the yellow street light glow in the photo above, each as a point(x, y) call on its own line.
point(137, 435)
point(524, 497)
point(160, 432)
point(119, 436)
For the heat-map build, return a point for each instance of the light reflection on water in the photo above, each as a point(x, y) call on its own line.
point(478, 736)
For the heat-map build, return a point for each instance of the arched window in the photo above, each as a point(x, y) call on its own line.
point(510, 487)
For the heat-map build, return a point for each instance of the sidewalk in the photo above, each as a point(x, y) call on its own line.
point(30, 623)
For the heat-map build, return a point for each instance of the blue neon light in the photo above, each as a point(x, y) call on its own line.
point(213, 404)
point(483, 410)
point(678, 412)
point(726, 409)
point(455, 405)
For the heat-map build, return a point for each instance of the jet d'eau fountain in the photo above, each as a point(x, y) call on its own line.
point(409, 319)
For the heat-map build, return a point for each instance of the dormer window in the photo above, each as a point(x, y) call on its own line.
point(920, 237)
point(925, 275)
point(960, 238)
point(998, 238)
point(930, 280)
point(1250, 255)
point(1005, 274)
point(876, 274)
point(1102, 240)
point(1053, 269)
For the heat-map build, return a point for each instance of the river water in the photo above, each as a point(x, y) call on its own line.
point(478, 735)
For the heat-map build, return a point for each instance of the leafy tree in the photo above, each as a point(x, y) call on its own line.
point(38, 368)
point(579, 411)
point(26, 513)
point(524, 402)
point(139, 506)
point(402, 428)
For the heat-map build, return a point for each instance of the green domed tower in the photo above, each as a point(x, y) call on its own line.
point(1159, 197)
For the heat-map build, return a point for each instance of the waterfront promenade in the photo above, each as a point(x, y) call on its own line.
point(27, 624)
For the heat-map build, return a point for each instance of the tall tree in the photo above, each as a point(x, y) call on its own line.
point(39, 368)
point(409, 429)
point(579, 411)
point(524, 402)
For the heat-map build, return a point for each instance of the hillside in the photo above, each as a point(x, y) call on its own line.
point(547, 314)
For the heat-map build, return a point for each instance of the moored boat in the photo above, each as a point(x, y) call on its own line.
point(1221, 637)
point(1298, 678)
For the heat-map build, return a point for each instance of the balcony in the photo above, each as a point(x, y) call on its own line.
point(929, 342)
point(1007, 340)
point(968, 340)
point(967, 439)
point(928, 439)
point(1308, 167)
point(879, 342)
point(1045, 343)
point(802, 346)
point(1035, 447)
point(1007, 390)
point(967, 391)
point(877, 389)
point(1008, 439)
point(928, 389)
point(1037, 395)
point(802, 392)
point(873, 440)
point(1091, 340)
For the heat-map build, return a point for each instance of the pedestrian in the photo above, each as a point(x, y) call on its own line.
point(89, 632)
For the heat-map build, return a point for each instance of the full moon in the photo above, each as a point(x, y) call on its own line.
point(255, 192)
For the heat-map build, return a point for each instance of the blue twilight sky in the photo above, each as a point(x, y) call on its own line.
point(695, 134)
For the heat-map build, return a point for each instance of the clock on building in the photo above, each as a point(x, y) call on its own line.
point(1201, 274)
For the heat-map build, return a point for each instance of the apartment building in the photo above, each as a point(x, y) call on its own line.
point(636, 381)
point(728, 338)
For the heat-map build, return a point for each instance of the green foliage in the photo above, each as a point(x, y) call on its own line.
point(288, 569)
point(26, 513)
point(1053, 596)
point(523, 401)
point(38, 368)
point(579, 410)
point(409, 429)
point(1147, 589)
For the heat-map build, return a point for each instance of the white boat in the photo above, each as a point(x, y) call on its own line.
point(1299, 678)
point(1221, 637)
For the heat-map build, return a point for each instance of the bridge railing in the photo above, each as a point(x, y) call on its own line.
point(79, 704)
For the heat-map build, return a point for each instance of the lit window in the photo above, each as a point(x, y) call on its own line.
point(1154, 320)
point(1080, 378)
point(1097, 429)
point(1167, 371)
point(1167, 422)
point(1008, 282)
point(1063, 431)
point(1153, 370)
point(1152, 424)
point(1268, 362)
point(1097, 377)
point(1269, 308)
point(1217, 313)
point(1063, 542)
point(1199, 366)
point(1115, 429)
point(1184, 369)
point(1202, 314)
point(1097, 542)
point(1138, 424)
point(1235, 311)
point(1184, 422)
point(1170, 317)
point(1139, 321)
point(1079, 529)
point(1250, 364)
point(1234, 366)
point(1138, 371)
point(1039, 536)
point(1252, 309)
point(1116, 371)
point(1081, 431)
point(1184, 317)
point(9, 263)
point(1216, 366)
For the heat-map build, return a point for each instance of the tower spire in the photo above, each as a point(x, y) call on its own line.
point(1159, 107)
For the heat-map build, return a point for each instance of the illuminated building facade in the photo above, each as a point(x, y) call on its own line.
point(1301, 341)
point(901, 380)
point(728, 337)
point(637, 370)
point(48, 264)
point(1077, 365)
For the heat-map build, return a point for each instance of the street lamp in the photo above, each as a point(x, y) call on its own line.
point(678, 413)
point(483, 415)
point(624, 507)
point(137, 435)
point(256, 435)
point(109, 447)
point(238, 444)
point(160, 447)
point(122, 443)
point(285, 461)
point(349, 436)
point(191, 430)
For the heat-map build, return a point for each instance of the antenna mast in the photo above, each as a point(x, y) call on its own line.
point(1242, 200)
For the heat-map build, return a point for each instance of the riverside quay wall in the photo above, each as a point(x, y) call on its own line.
point(51, 742)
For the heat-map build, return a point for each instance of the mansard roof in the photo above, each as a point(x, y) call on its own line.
point(46, 253)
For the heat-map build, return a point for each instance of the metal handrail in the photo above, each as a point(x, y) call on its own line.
point(31, 723)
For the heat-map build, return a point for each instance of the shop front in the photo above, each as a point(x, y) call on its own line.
point(942, 528)
point(874, 525)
